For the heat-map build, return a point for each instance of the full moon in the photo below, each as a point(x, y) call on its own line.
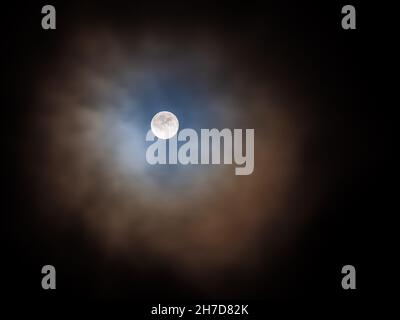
point(164, 125)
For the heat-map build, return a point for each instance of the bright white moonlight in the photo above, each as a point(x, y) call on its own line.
point(164, 125)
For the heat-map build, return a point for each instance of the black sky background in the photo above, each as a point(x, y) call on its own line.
point(346, 231)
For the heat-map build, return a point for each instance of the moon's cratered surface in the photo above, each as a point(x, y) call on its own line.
point(164, 125)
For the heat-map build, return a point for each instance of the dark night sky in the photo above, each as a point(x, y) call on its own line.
point(327, 74)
